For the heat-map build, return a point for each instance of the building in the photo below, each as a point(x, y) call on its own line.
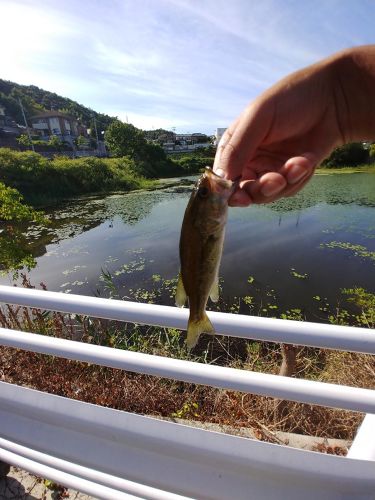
point(56, 123)
point(9, 130)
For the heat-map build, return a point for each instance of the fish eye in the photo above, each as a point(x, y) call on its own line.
point(203, 192)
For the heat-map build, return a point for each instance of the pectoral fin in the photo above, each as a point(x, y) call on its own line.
point(196, 327)
point(214, 292)
point(180, 293)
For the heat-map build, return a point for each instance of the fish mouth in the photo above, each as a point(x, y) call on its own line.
point(218, 183)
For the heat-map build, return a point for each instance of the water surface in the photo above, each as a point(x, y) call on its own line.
point(281, 255)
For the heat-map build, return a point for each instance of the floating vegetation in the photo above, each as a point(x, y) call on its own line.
point(131, 267)
point(74, 269)
point(357, 250)
point(295, 274)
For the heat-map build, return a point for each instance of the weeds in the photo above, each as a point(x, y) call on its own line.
point(153, 396)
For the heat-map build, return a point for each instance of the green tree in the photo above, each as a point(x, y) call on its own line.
point(372, 153)
point(14, 251)
point(351, 154)
point(55, 142)
point(123, 139)
point(23, 140)
point(80, 141)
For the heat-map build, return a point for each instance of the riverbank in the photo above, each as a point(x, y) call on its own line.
point(41, 181)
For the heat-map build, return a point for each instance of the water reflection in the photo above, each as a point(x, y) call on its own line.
point(135, 238)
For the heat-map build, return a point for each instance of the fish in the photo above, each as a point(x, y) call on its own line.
point(201, 246)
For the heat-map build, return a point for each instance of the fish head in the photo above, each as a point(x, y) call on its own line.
point(210, 200)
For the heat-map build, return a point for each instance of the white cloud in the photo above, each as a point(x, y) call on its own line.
point(186, 63)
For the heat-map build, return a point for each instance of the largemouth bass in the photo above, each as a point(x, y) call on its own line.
point(201, 246)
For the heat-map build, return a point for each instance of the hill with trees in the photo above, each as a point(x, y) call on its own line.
point(36, 100)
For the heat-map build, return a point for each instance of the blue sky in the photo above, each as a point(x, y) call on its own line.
point(188, 64)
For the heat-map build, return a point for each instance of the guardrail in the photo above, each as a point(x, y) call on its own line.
point(114, 454)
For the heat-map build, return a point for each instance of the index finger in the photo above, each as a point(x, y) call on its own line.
point(239, 142)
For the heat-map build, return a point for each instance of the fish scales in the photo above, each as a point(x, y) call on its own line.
point(201, 245)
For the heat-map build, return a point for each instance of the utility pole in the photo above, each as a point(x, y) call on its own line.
point(26, 125)
point(96, 135)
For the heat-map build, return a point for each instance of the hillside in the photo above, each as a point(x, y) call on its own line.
point(37, 100)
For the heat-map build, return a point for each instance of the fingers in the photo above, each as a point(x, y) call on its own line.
point(240, 141)
point(270, 186)
point(298, 167)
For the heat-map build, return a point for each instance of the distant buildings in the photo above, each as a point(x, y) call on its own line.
point(9, 130)
point(182, 142)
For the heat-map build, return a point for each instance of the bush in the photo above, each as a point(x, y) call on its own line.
point(193, 164)
point(349, 155)
point(39, 179)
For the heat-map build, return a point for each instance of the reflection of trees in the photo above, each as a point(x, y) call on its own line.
point(19, 248)
point(134, 207)
point(15, 252)
point(343, 189)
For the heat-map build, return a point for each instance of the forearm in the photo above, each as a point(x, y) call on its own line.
point(354, 92)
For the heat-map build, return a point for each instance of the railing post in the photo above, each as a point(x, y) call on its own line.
point(363, 447)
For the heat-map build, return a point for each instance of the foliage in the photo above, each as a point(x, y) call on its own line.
point(39, 179)
point(193, 164)
point(366, 302)
point(36, 100)
point(12, 208)
point(357, 250)
point(23, 140)
point(123, 139)
point(80, 141)
point(351, 154)
point(160, 135)
point(55, 142)
point(14, 251)
point(372, 152)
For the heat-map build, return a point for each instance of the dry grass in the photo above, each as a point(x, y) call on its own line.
point(154, 396)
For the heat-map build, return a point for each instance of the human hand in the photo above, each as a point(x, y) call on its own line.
point(276, 143)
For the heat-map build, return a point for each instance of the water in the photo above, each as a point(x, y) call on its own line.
point(278, 246)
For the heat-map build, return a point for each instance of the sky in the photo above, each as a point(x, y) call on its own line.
point(188, 65)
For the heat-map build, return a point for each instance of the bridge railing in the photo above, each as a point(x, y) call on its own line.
point(64, 427)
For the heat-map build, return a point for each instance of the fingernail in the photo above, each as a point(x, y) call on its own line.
point(220, 172)
point(296, 173)
point(271, 188)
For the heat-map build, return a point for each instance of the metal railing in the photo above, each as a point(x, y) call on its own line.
point(149, 436)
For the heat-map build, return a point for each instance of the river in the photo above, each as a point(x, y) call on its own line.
point(296, 254)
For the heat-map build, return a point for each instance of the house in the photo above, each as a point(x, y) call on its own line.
point(9, 130)
point(56, 123)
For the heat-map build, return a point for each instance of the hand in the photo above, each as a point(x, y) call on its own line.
point(277, 142)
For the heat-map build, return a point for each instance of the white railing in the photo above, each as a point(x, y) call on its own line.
point(148, 458)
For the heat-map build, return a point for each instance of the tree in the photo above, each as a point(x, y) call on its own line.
point(123, 139)
point(23, 140)
point(372, 153)
point(351, 154)
point(14, 249)
point(81, 141)
point(55, 142)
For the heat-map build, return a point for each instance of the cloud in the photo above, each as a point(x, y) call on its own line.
point(186, 62)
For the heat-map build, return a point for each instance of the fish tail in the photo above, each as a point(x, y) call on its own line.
point(196, 327)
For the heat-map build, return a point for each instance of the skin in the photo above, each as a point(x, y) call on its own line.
point(280, 138)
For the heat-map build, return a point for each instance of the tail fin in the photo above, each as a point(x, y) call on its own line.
point(196, 327)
